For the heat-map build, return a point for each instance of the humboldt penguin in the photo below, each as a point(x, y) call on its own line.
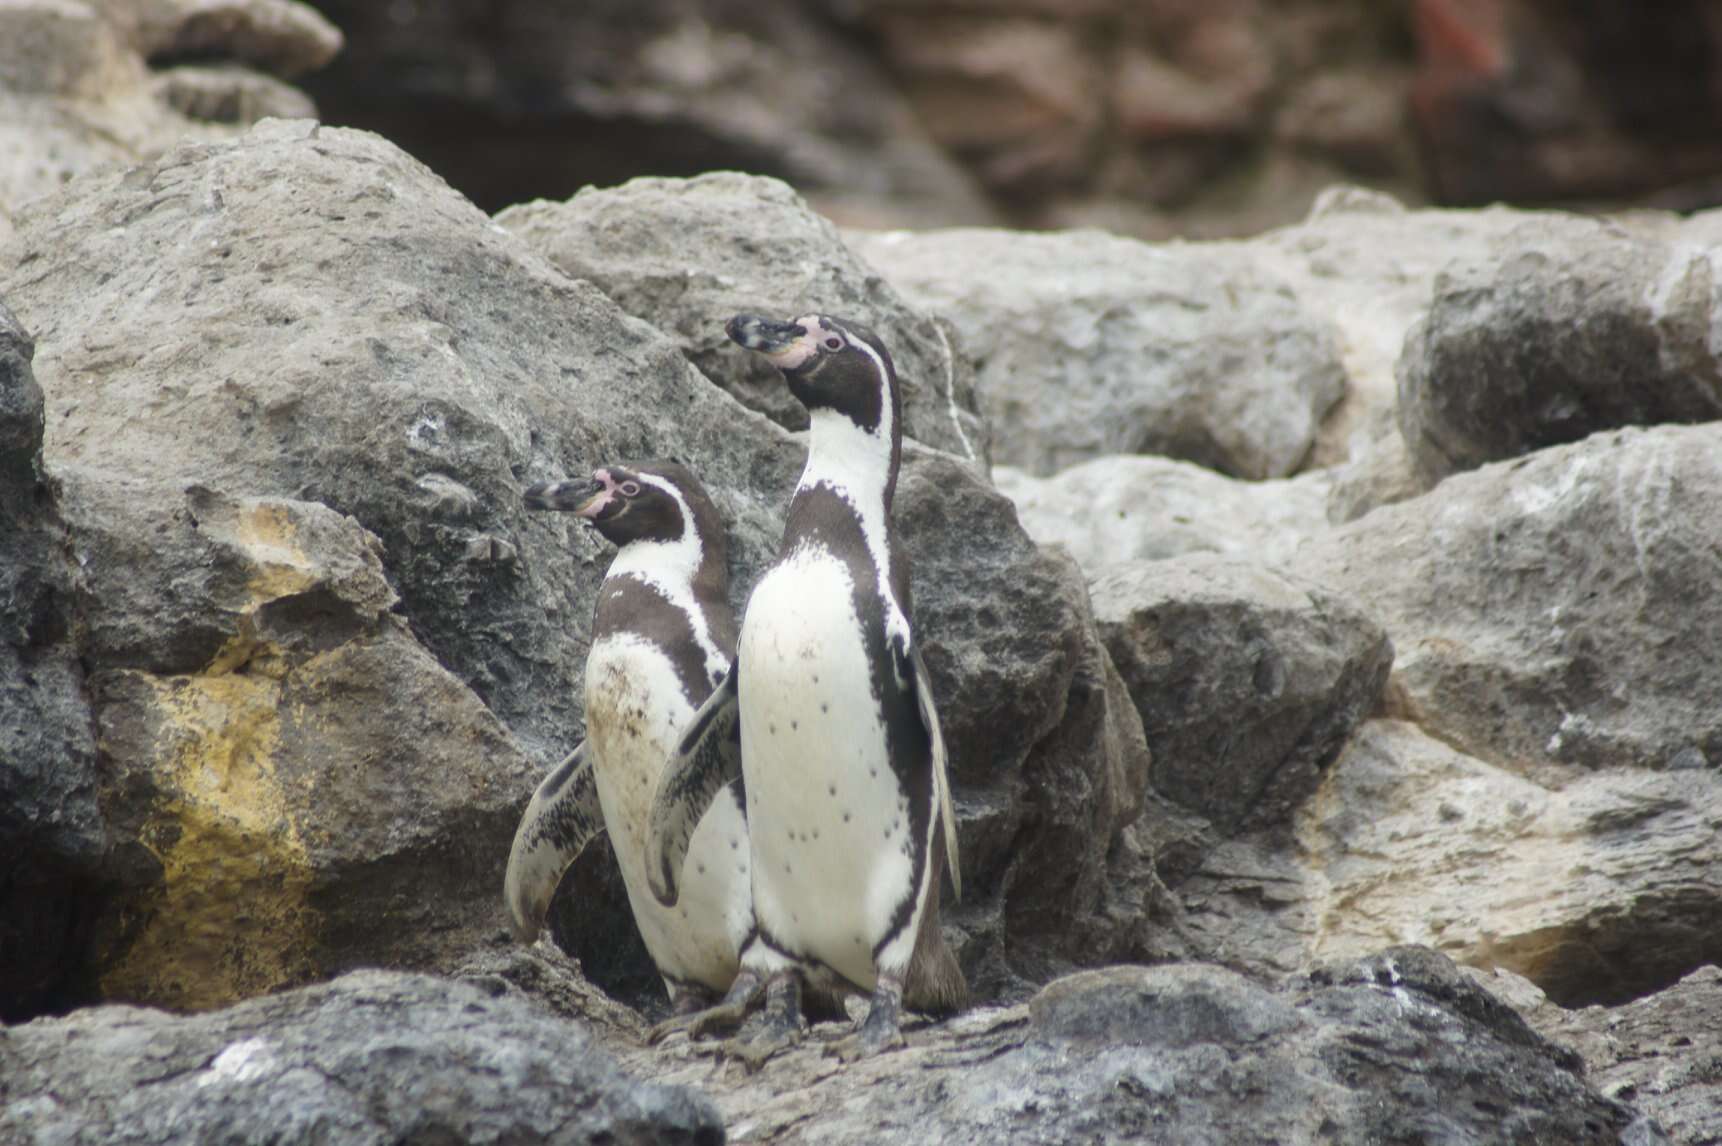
point(839, 742)
point(662, 636)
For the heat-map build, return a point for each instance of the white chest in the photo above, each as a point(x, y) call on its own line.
point(635, 711)
point(831, 842)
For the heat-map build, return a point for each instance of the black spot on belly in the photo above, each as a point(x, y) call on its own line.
point(846, 817)
point(823, 707)
point(794, 725)
point(833, 789)
point(702, 869)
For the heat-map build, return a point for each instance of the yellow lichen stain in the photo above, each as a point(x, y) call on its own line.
point(232, 920)
point(271, 540)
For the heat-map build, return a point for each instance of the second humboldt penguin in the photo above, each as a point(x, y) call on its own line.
point(663, 635)
point(843, 759)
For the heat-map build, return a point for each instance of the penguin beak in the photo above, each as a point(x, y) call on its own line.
point(784, 344)
point(582, 498)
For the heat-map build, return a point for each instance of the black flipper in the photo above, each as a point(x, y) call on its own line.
point(707, 758)
point(561, 819)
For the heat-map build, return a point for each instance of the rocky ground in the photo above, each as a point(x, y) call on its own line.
point(1323, 626)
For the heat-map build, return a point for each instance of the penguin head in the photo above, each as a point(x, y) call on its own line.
point(829, 363)
point(650, 501)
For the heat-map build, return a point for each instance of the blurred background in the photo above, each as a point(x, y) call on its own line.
point(1149, 117)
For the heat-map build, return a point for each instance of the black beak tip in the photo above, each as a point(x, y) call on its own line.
point(536, 495)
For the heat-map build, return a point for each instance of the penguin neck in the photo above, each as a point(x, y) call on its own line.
point(859, 464)
point(679, 571)
point(859, 468)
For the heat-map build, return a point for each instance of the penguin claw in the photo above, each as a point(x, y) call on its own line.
point(754, 1052)
point(865, 1043)
point(718, 1020)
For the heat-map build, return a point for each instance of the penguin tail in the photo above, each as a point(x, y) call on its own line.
point(935, 984)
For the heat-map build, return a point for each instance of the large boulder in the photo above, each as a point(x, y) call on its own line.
point(374, 1056)
point(1118, 510)
point(87, 85)
point(1557, 609)
point(1048, 757)
point(1598, 889)
point(1088, 344)
point(276, 738)
point(676, 252)
point(328, 684)
point(1398, 1047)
point(1659, 1053)
point(1562, 328)
point(1364, 262)
point(53, 840)
point(1248, 683)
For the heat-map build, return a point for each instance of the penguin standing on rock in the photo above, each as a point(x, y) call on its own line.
point(839, 742)
point(662, 637)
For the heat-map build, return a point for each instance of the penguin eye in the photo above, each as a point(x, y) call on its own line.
point(834, 343)
point(630, 489)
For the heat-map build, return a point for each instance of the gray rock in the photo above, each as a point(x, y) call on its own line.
point(1364, 263)
point(1248, 683)
point(1661, 1054)
point(1400, 1047)
point(1117, 510)
point(1564, 328)
point(77, 93)
point(20, 404)
point(1597, 887)
point(1556, 609)
point(374, 1057)
point(1087, 344)
point(1047, 755)
point(676, 252)
point(274, 737)
point(1379, 472)
point(52, 836)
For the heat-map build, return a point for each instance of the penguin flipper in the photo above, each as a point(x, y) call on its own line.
point(941, 779)
point(562, 818)
point(707, 758)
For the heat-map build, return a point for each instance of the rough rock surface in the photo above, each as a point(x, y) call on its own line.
point(1661, 1054)
point(1364, 264)
point(1397, 1048)
point(1563, 328)
point(1088, 344)
point(85, 86)
point(343, 335)
point(1248, 683)
point(1047, 754)
point(1599, 888)
point(1118, 510)
point(52, 838)
point(1556, 609)
point(372, 1057)
point(275, 737)
point(676, 252)
point(660, 87)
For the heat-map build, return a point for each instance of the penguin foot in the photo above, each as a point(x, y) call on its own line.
point(880, 1031)
point(870, 1040)
point(722, 1019)
point(755, 1050)
point(783, 1026)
